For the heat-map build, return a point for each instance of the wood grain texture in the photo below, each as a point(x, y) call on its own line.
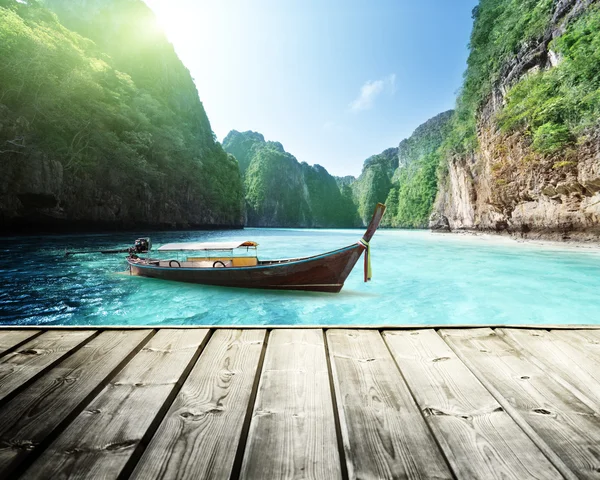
point(577, 369)
point(199, 436)
point(560, 419)
point(292, 433)
point(18, 367)
point(480, 440)
point(10, 338)
point(37, 411)
point(101, 440)
point(383, 431)
point(586, 340)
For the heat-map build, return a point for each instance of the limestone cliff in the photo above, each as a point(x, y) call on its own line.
point(282, 192)
point(403, 177)
point(102, 126)
point(535, 166)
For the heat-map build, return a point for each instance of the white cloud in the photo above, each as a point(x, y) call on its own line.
point(371, 90)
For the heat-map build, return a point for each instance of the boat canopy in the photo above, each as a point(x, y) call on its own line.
point(170, 247)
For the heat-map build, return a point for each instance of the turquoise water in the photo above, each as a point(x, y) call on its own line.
point(418, 278)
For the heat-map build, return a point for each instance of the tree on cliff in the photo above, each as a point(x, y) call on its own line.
point(280, 191)
point(127, 142)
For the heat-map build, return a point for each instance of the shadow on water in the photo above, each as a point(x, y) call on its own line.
point(249, 292)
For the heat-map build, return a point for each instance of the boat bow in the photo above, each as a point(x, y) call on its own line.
point(364, 241)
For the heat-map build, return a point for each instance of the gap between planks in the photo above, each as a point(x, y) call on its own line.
point(21, 462)
point(251, 403)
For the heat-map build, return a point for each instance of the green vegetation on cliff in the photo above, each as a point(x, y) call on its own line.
point(374, 183)
point(500, 29)
point(330, 205)
point(405, 178)
point(554, 105)
point(557, 105)
point(280, 191)
point(274, 190)
point(416, 181)
point(113, 113)
point(523, 147)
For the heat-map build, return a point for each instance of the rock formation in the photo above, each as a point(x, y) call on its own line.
point(282, 192)
point(102, 127)
point(528, 176)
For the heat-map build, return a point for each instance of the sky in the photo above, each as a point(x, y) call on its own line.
point(335, 81)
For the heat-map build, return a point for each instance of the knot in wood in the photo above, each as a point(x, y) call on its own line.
point(121, 445)
point(31, 351)
point(430, 411)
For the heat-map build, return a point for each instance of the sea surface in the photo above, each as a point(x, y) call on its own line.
point(418, 278)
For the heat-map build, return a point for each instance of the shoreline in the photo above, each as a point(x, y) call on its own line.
point(579, 240)
point(573, 240)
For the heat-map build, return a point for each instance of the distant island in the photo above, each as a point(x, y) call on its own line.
point(280, 191)
point(103, 128)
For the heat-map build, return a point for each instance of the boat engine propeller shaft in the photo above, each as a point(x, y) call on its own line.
point(141, 245)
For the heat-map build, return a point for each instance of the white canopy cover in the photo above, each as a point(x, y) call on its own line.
point(169, 247)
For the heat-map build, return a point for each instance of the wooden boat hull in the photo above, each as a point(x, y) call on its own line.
point(320, 273)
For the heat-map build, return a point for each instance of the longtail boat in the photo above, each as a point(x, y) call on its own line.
point(326, 272)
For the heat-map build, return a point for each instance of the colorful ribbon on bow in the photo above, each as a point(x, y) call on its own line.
point(365, 244)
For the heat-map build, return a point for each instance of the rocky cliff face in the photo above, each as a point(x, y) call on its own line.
point(509, 183)
point(374, 183)
point(403, 177)
point(282, 192)
point(108, 133)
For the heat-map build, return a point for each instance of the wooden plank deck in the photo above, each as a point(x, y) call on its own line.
point(314, 403)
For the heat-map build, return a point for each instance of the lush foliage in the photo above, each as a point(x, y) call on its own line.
point(501, 28)
point(274, 193)
point(556, 106)
point(116, 122)
point(414, 193)
point(416, 181)
point(404, 178)
point(329, 204)
point(374, 183)
point(280, 191)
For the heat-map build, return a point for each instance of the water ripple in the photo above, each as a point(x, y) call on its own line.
point(419, 278)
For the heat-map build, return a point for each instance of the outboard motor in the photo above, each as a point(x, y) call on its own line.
point(141, 245)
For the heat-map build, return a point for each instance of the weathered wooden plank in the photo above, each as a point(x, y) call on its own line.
point(576, 369)
point(20, 366)
point(479, 438)
point(556, 417)
point(35, 413)
point(586, 340)
point(292, 433)
point(103, 438)
point(383, 432)
point(10, 338)
point(200, 434)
